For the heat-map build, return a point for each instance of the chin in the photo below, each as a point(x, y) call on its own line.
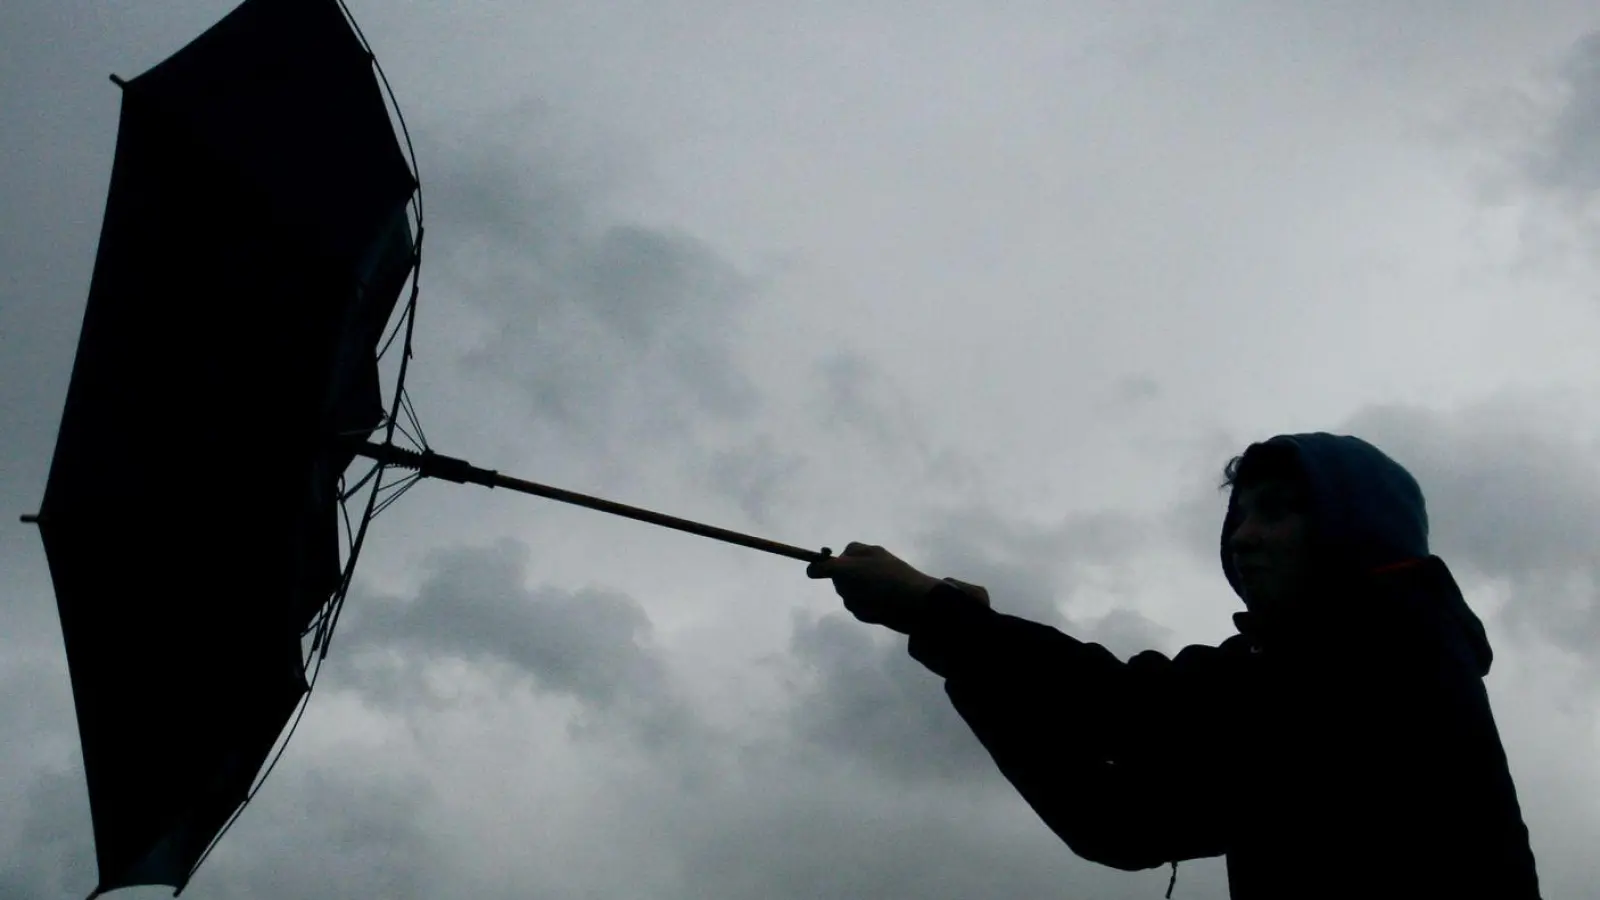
point(1262, 598)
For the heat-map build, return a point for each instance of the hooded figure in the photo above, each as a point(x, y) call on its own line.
point(1340, 745)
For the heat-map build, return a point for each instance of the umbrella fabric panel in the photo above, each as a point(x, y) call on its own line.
point(172, 735)
point(246, 268)
point(284, 91)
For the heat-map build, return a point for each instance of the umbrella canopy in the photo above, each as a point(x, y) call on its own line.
point(254, 244)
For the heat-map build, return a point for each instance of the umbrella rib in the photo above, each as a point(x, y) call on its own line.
point(399, 116)
point(347, 493)
point(399, 488)
point(416, 421)
point(283, 745)
point(400, 426)
point(395, 331)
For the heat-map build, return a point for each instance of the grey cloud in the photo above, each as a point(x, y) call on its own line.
point(613, 330)
point(41, 776)
point(58, 118)
point(776, 818)
point(1034, 571)
point(51, 832)
point(756, 475)
point(977, 548)
point(1029, 570)
point(592, 645)
point(870, 700)
point(854, 798)
point(337, 830)
point(856, 393)
point(1509, 498)
point(789, 823)
point(1194, 521)
point(1565, 158)
point(1542, 149)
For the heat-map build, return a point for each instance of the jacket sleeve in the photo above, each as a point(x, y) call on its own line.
point(1125, 761)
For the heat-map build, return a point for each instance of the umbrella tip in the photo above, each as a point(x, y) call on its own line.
point(118, 80)
point(30, 518)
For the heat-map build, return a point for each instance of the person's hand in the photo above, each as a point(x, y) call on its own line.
point(877, 587)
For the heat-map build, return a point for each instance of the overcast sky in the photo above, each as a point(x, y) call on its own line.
point(998, 285)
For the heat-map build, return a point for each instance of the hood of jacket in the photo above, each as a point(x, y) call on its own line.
point(1369, 524)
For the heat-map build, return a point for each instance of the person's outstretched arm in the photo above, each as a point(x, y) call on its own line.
point(1126, 762)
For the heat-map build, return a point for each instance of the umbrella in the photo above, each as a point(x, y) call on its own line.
point(262, 223)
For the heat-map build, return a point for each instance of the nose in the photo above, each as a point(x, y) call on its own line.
point(1246, 536)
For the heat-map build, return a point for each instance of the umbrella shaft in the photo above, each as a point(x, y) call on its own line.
point(448, 468)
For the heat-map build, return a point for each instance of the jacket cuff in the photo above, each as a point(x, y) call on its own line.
point(952, 631)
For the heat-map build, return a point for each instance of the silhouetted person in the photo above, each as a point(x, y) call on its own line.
point(1340, 745)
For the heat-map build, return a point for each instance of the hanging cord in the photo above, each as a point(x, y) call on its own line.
point(1174, 882)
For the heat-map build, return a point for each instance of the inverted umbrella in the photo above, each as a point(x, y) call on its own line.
point(261, 225)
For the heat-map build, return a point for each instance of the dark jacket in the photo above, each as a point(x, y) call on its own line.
point(1345, 750)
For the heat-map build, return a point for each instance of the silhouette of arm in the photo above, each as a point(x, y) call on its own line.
point(1125, 761)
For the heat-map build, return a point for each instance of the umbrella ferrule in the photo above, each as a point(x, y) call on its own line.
point(448, 468)
point(428, 463)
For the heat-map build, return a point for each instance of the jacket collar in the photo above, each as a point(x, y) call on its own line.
point(1305, 620)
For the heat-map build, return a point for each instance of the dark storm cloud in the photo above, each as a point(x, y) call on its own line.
point(867, 699)
point(338, 830)
point(317, 834)
point(1019, 569)
point(323, 833)
point(50, 831)
point(611, 329)
point(1509, 497)
point(592, 645)
point(835, 836)
point(45, 835)
point(58, 125)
